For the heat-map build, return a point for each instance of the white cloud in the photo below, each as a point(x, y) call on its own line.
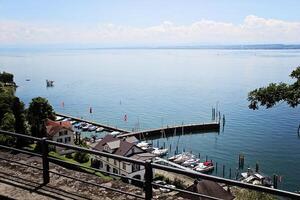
point(253, 30)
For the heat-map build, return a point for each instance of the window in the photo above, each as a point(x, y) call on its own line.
point(100, 164)
point(65, 132)
point(59, 140)
point(67, 139)
point(107, 159)
point(115, 162)
point(124, 166)
point(115, 171)
point(60, 133)
point(135, 167)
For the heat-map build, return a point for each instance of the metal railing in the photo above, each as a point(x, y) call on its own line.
point(148, 182)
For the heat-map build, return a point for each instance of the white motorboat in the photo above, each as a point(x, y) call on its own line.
point(204, 166)
point(183, 157)
point(92, 128)
point(99, 129)
point(114, 133)
point(143, 145)
point(159, 152)
point(191, 162)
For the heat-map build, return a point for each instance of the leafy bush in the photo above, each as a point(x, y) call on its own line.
point(69, 155)
point(81, 157)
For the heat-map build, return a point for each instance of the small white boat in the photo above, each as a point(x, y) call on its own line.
point(191, 162)
point(99, 129)
point(143, 145)
point(92, 128)
point(159, 152)
point(114, 133)
point(85, 127)
point(204, 167)
point(183, 157)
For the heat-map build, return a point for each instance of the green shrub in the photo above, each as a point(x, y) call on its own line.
point(69, 155)
point(81, 157)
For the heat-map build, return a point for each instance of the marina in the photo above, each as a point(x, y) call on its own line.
point(167, 98)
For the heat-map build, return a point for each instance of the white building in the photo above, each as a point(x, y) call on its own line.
point(113, 145)
point(60, 131)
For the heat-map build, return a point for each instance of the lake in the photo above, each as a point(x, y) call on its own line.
point(160, 87)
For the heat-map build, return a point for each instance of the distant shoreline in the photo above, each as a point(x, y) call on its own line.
point(213, 47)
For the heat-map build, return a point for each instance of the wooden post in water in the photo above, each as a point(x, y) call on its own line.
point(229, 173)
point(256, 167)
point(164, 145)
point(223, 171)
point(170, 148)
point(241, 161)
point(206, 158)
point(275, 179)
point(199, 155)
point(216, 167)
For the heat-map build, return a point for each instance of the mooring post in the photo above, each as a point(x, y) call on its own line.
point(223, 171)
point(148, 180)
point(275, 179)
point(45, 151)
point(216, 167)
point(206, 158)
point(256, 167)
point(164, 145)
point(229, 173)
point(199, 155)
point(170, 147)
point(241, 161)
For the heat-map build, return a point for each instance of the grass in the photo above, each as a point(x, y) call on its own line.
point(72, 161)
point(87, 164)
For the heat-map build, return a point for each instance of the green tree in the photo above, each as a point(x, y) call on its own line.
point(277, 92)
point(6, 77)
point(8, 122)
point(39, 110)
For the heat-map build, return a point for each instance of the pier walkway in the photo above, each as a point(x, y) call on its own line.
point(106, 127)
point(170, 130)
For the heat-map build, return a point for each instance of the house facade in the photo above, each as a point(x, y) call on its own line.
point(113, 145)
point(60, 131)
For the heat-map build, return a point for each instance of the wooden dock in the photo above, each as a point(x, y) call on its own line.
point(172, 130)
point(106, 127)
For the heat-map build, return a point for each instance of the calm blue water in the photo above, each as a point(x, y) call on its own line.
point(160, 87)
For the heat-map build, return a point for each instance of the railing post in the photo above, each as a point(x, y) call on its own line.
point(45, 151)
point(148, 180)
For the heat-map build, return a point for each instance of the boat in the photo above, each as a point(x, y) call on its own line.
point(66, 119)
point(92, 128)
point(49, 83)
point(183, 157)
point(144, 145)
point(59, 118)
point(159, 151)
point(204, 166)
point(73, 122)
point(78, 125)
point(114, 133)
point(191, 162)
point(85, 127)
point(99, 129)
point(256, 178)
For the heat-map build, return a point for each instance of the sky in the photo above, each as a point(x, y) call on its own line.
point(149, 22)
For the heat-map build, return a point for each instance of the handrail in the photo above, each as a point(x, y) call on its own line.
point(149, 167)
